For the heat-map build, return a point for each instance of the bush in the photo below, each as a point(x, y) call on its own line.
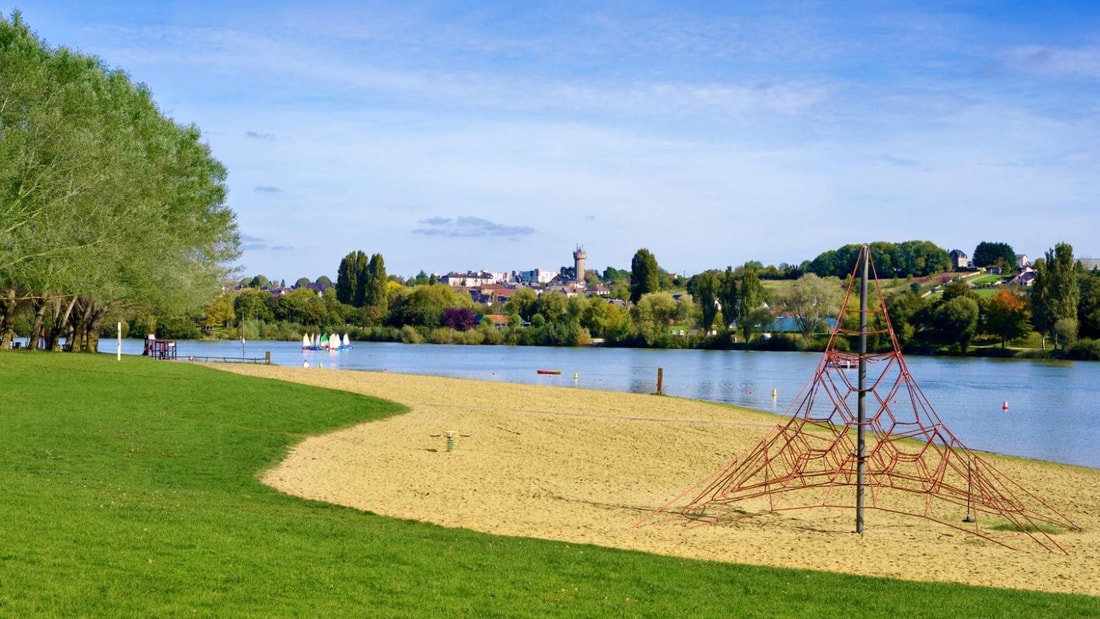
point(409, 335)
point(250, 329)
point(810, 344)
point(1085, 350)
point(178, 328)
point(284, 331)
point(778, 342)
point(442, 335)
point(473, 337)
point(491, 335)
point(380, 334)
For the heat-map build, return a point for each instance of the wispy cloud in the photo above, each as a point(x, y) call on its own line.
point(1082, 62)
point(267, 189)
point(470, 227)
point(252, 243)
point(256, 135)
point(898, 161)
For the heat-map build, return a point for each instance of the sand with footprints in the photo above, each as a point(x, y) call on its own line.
point(586, 466)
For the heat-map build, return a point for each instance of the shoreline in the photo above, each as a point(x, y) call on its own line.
point(584, 466)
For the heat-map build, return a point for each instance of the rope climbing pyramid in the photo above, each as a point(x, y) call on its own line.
point(861, 434)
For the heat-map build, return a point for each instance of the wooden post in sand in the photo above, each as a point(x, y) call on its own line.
point(660, 381)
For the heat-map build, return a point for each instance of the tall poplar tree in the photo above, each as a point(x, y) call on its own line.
point(727, 296)
point(705, 288)
point(644, 275)
point(751, 302)
point(349, 288)
point(374, 285)
point(1055, 294)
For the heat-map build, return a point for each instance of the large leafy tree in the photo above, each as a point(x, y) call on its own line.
point(361, 282)
point(1007, 315)
point(611, 274)
point(653, 315)
point(957, 321)
point(728, 296)
point(906, 259)
point(645, 275)
point(988, 254)
point(458, 318)
point(423, 306)
point(303, 307)
point(552, 305)
point(253, 304)
point(374, 284)
point(811, 299)
point(906, 311)
point(219, 313)
point(1088, 307)
point(521, 303)
point(103, 200)
point(349, 288)
point(1055, 294)
point(704, 287)
point(751, 312)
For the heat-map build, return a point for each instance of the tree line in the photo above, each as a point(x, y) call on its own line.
point(106, 204)
point(718, 308)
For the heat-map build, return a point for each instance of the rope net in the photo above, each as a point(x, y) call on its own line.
point(913, 464)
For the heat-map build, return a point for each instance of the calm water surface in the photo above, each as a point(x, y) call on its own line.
point(1052, 411)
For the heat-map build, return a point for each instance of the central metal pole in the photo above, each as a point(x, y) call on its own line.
point(861, 396)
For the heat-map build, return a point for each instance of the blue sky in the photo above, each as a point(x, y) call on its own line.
point(500, 135)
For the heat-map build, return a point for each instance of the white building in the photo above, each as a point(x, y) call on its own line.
point(536, 276)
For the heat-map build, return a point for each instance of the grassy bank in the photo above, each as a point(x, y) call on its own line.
point(130, 488)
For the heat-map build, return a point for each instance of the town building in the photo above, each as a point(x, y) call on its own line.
point(959, 260)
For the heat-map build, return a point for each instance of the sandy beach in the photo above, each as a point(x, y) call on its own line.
point(585, 466)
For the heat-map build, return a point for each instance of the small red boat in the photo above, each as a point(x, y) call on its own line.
point(549, 371)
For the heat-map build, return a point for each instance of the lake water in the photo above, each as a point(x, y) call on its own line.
point(1052, 412)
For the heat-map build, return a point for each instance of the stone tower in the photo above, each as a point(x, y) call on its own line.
point(579, 256)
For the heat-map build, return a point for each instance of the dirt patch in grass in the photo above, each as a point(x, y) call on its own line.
point(585, 466)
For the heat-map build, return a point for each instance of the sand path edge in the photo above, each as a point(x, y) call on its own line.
point(584, 466)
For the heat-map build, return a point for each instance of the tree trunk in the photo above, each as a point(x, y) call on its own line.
point(61, 323)
point(96, 321)
point(81, 314)
point(40, 305)
point(89, 316)
point(8, 305)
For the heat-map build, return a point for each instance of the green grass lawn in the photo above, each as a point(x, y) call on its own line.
point(130, 489)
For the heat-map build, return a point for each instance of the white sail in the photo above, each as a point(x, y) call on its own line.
point(347, 342)
point(305, 341)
